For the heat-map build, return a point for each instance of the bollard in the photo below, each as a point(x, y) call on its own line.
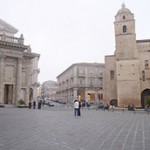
point(134, 111)
point(122, 110)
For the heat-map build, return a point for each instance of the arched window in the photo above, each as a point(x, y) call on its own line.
point(124, 17)
point(124, 29)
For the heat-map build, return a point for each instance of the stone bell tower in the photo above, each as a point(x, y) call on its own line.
point(127, 59)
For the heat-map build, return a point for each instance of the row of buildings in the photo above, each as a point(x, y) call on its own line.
point(122, 80)
point(82, 81)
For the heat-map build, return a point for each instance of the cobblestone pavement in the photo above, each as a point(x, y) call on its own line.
point(53, 129)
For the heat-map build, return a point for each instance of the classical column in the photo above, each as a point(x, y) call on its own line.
point(28, 79)
point(75, 96)
point(2, 59)
point(18, 80)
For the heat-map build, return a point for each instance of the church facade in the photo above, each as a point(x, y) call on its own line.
point(127, 72)
point(18, 67)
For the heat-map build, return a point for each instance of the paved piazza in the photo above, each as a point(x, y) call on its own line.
point(53, 129)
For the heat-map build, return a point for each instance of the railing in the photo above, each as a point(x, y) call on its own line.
point(124, 110)
point(20, 40)
point(84, 85)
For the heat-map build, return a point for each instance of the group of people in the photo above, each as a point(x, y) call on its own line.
point(131, 107)
point(77, 107)
point(147, 107)
point(34, 104)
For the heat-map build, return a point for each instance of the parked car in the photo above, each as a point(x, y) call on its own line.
point(51, 104)
point(103, 105)
point(106, 106)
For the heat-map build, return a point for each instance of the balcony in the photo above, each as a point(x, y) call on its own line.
point(9, 39)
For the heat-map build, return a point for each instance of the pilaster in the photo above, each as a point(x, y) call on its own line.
point(96, 94)
point(19, 80)
point(86, 94)
point(2, 60)
point(28, 83)
point(75, 93)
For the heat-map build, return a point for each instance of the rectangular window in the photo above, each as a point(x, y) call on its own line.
point(146, 63)
point(112, 75)
point(143, 75)
point(91, 82)
point(80, 81)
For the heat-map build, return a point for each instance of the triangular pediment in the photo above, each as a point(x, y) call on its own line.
point(4, 26)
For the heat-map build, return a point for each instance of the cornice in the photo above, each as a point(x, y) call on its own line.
point(9, 45)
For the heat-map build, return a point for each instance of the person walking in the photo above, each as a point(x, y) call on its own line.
point(76, 108)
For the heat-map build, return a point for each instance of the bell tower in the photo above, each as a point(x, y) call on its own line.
point(125, 34)
point(127, 59)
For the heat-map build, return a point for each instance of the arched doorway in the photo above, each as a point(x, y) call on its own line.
point(114, 102)
point(81, 94)
point(145, 95)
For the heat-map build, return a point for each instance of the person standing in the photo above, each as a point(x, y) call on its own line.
point(34, 104)
point(79, 110)
point(39, 104)
point(76, 108)
point(30, 105)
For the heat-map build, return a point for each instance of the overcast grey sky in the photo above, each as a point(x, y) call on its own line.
point(71, 31)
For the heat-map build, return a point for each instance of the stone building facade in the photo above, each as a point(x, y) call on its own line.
point(49, 89)
point(127, 72)
point(82, 81)
point(18, 67)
